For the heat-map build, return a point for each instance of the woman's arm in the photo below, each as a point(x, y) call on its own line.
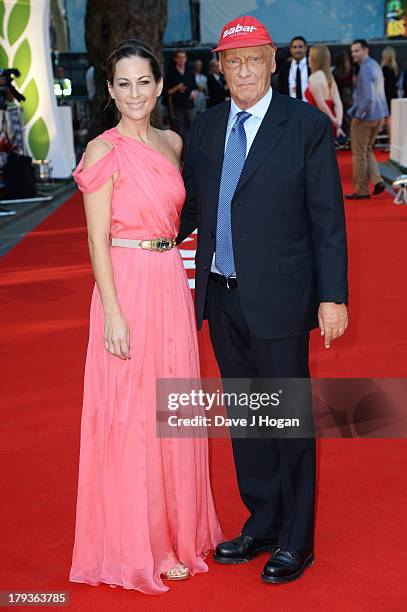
point(338, 106)
point(98, 210)
point(316, 84)
point(179, 87)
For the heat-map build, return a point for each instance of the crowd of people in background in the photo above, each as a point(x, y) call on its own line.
point(354, 91)
point(188, 91)
point(308, 74)
point(351, 88)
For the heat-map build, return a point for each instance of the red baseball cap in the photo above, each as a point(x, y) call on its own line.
point(243, 32)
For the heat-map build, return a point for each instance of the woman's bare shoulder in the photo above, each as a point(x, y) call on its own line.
point(174, 141)
point(95, 150)
point(317, 77)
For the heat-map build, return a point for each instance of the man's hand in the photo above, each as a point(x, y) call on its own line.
point(333, 320)
point(356, 121)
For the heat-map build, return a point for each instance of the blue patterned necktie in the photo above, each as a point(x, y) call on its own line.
point(233, 162)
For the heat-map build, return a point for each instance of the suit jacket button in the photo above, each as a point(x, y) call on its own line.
point(212, 234)
point(206, 268)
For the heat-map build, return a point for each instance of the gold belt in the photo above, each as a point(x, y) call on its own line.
point(155, 244)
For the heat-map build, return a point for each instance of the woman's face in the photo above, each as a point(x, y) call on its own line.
point(134, 89)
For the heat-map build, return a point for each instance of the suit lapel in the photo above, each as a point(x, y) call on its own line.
point(267, 138)
point(213, 143)
point(213, 146)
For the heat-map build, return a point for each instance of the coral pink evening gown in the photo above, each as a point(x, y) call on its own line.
point(144, 503)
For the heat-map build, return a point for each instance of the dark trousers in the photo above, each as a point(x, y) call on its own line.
point(183, 118)
point(276, 476)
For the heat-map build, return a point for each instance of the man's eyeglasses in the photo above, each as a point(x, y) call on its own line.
point(253, 61)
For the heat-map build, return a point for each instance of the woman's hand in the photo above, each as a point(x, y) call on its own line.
point(339, 131)
point(117, 336)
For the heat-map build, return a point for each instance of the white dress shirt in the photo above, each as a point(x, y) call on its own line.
point(200, 100)
point(251, 127)
point(90, 82)
point(292, 78)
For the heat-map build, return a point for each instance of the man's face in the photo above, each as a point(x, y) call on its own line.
point(248, 73)
point(298, 49)
point(181, 60)
point(358, 53)
point(215, 67)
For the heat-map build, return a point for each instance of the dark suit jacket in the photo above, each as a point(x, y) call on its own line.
point(216, 90)
point(288, 226)
point(283, 72)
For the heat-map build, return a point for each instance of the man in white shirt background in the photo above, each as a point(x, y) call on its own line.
point(202, 87)
point(293, 74)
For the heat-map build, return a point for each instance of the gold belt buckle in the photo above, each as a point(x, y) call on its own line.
point(158, 244)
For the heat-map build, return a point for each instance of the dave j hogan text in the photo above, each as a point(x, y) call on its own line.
point(256, 420)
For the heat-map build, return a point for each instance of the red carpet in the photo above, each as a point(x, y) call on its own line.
point(361, 533)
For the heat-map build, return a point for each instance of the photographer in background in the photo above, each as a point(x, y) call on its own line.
point(8, 92)
point(18, 179)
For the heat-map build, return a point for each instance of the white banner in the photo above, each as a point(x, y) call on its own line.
point(24, 44)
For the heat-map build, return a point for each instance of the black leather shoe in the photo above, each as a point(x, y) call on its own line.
point(357, 196)
point(379, 188)
point(243, 549)
point(287, 565)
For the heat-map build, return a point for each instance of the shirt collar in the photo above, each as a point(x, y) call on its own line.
point(302, 62)
point(258, 110)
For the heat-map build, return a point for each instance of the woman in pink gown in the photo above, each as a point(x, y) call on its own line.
point(144, 509)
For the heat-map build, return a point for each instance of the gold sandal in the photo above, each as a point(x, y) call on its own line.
point(178, 572)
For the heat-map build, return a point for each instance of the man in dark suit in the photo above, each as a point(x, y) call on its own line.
point(263, 188)
point(294, 71)
point(216, 85)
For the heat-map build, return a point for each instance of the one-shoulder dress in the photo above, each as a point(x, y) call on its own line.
point(144, 503)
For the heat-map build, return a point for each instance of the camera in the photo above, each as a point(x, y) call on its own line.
point(6, 86)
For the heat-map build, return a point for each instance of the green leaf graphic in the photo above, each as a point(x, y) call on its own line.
point(22, 61)
point(18, 20)
point(31, 103)
point(2, 10)
point(3, 58)
point(38, 139)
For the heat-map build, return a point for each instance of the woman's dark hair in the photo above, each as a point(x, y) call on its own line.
point(132, 48)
